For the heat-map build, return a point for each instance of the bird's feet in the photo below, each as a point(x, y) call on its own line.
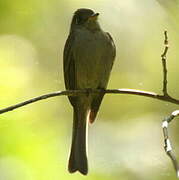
point(88, 91)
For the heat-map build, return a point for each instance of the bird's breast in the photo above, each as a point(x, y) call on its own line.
point(93, 59)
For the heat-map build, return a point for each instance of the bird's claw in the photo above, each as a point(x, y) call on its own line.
point(88, 91)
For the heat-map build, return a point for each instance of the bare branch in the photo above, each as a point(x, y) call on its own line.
point(164, 64)
point(167, 142)
point(81, 92)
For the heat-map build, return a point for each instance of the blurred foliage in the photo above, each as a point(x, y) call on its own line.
point(126, 140)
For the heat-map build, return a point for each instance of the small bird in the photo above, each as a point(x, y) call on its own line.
point(88, 58)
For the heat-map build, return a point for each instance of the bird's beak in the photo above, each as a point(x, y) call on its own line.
point(94, 16)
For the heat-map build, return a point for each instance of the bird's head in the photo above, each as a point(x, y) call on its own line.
point(85, 17)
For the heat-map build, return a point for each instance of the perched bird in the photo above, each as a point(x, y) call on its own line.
point(88, 58)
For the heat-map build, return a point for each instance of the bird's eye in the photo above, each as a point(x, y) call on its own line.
point(80, 20)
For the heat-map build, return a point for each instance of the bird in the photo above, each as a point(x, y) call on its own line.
point(88, 58)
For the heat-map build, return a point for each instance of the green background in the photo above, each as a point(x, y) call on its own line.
point(126, 141)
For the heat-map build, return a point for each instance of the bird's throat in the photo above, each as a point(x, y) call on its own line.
point(92, 25)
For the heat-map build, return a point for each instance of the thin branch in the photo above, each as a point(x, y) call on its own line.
point(81, 92)
point(167, 120)
point(164, 64)
point(167, 142)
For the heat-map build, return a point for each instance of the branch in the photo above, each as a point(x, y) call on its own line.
point(164, 64)
point(167, 142)
point(93, 91)
point(167, 120)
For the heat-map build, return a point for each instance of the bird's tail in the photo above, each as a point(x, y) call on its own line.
point(78, 156)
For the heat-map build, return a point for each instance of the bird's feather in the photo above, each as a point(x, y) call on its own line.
point(69, 66)
point(96, 102)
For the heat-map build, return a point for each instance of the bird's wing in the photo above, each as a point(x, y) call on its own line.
point(114, 47)
point(98, 98)
point(69, 65)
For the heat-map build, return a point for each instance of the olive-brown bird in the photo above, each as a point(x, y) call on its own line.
point(89, 54)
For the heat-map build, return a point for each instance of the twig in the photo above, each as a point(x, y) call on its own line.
point(164, 64)
point(167, 142)
point(81, 92)
point(167, 120)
